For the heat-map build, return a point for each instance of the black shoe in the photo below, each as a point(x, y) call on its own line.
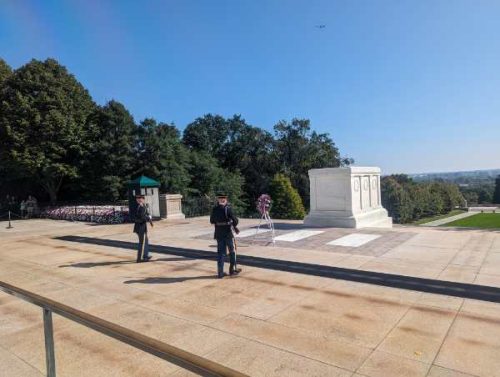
point(221, 276)
point(139, 261)
point(147, 258)
point(234, 271)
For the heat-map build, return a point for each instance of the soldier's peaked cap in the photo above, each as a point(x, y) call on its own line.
point(221, 195)
point(139, 196)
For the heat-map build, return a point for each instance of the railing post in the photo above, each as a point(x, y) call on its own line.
point(49, 343)
point(10, 225)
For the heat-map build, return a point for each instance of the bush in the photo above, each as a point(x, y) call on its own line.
point(407, 201)
point(286, 202)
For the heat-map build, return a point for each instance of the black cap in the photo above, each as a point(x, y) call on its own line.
point(221, 195)
point(139, 196)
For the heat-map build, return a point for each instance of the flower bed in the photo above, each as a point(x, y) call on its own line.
point(93, 214)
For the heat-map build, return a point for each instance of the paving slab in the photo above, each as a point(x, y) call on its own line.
point(472, 346)
point(382, 364)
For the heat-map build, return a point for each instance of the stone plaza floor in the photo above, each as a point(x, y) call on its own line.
point(266, 322)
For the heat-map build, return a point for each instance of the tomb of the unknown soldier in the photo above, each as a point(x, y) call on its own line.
point(346, 198)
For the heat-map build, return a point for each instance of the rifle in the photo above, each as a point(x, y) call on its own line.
point(149, 217)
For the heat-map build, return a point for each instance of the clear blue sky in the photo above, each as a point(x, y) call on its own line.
point(410, 86)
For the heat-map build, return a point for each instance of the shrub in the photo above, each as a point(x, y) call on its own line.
point(286, 202)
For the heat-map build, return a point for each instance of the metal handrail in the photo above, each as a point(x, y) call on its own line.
point(184, 359)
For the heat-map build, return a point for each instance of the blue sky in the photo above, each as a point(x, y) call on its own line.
point(410, 86)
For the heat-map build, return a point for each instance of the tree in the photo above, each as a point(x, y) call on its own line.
point(452, 197)
point(396, 200)
point(110, 158)
point(43, 113)
point(298, 150)
point(161, 155)
point(237, 147)
point(286, 202)
point(5, 71)
point(436, 203)
point(208, 133)
point(249, 151)
point(207, 178)
point(496, 194)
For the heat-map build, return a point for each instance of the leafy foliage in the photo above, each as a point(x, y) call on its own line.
point(208, 133)
point(207, 178)
point(5, 71)
point(286, 202)
point(43, 113)
point(298, 150)
point(407, 201)
point(161, 154)
point(110, 158)
point(52, 134)
point(496, 194)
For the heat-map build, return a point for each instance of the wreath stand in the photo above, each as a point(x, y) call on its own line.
point(265, 222)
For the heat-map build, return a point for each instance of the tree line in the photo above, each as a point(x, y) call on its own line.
point(408, 201)
point(57, 142)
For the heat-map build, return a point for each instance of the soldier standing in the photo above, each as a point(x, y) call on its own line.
point(223, 218)
point(141, 228)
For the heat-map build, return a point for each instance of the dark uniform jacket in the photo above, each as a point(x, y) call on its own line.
point(141, 219)
point(223, 218)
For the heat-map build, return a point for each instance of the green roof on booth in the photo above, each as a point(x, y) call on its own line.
point(144, 181)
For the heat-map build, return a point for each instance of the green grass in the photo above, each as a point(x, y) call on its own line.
point(481, 220)
point(438, 217)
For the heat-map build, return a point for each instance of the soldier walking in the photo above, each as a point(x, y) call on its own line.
point(224, 220)
point(141, 228)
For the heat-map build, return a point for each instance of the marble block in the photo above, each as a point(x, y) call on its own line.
point(171, 206)
point(346, 198)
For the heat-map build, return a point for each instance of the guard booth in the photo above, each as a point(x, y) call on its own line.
point(149, 188)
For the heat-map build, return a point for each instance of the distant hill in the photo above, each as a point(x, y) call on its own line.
point(460, 177)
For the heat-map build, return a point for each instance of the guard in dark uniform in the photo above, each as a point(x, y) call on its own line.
point(141, 228)
point(224, 220)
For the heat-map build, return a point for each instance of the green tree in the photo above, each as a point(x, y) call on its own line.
point(436, 204)
point(485, 194)
point(5, 71)
point(471, 196)
point(249, 151)
point(286, 202)
point(298, 150)
point(208, 133)
point(162, 156)
point(237, 147)
point(396, 200)
point(43, 113)
point(452, 196)
point(496, 194)
point(207, 178)
point(110, 158)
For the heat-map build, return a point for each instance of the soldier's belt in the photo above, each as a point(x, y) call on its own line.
point(222, 224)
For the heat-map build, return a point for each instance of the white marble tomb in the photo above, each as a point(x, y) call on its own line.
point(346, 198)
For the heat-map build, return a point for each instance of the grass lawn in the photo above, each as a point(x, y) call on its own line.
point(438, 217)
point(481, 220)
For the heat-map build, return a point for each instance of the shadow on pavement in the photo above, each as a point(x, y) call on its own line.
point(164, 280)
point(102, 264)
point(449, 288)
